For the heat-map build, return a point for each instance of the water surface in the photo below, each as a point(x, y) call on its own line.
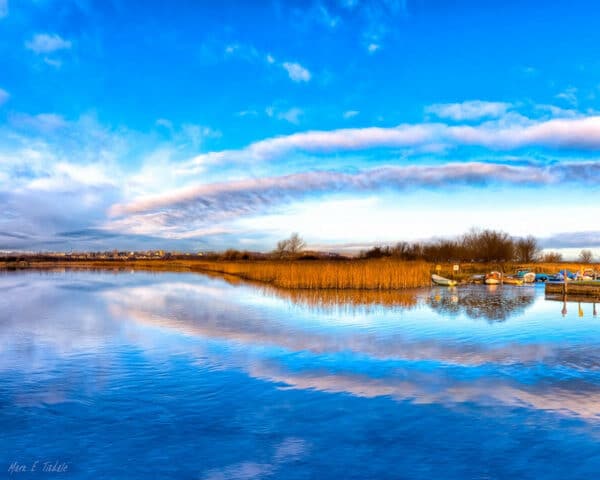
point(142, 375)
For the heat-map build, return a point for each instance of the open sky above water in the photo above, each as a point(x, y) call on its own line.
point(203, 125)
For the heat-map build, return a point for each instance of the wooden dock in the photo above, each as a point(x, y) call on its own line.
point(587, 289)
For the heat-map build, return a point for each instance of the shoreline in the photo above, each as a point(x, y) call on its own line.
point(350, 274)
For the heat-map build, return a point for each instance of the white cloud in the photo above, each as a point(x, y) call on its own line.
point(511, 133)
point(244, 195)
point(351, 114)
point(297, 72)
point(52, 62)
point(558, 112)
point(247, 113)
point(3, 8)
point(373, 47)
point(164, 122)
point(250, 54)
point(42, 122)
point(177, 212)
point(67, 175)
point(196, 134)
point(292, 115)
point(326, 18)
point(4, 96)
point(45, 43)
point(188, 133)
point(569, 96)
point(469, 110)
point(231, 48)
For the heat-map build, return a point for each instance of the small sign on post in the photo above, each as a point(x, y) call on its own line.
point(455, 270)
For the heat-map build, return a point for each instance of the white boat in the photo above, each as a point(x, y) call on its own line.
point(493, 278)
point(446, 282)
point(529, 277)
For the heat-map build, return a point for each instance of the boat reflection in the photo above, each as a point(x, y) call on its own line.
point(493, 303)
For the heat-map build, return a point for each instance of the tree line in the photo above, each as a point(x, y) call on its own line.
point(486, 246)
point(474, 246)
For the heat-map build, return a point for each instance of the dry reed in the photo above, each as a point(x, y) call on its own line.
point(381, 274)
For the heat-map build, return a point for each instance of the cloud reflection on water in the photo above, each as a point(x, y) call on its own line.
point(406, 359)
point(410, 382)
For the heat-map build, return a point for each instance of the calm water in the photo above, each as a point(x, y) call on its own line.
point(140, 375)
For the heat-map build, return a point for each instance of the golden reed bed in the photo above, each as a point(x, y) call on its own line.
point(355, 274)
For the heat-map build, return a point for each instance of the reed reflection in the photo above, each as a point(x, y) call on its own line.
point(346, 300)
point(492, 303)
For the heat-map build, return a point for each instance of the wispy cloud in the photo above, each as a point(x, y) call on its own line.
point(572, 240)
point(292, 115)
point(350, 114)
point(470, 110)
point(373, 47)
point(188, 133)
point(47, 43)
point(164, 122)
point(249, 53)
point(569, 96)
point(327, 18)
point(4, 96)
point(52, 62)
point(3, 8)
point(197, 134)
point(176, 212)
point(247, 113)
point(42, 122)
point(296, 72)
point(508, 134)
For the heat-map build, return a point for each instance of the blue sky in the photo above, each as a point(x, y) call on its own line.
point(208, 125)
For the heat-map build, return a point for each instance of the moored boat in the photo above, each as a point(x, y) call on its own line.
point(445, 282)
point(529, 277)
point(512, 281)
point(493, 278)
point(526, 276)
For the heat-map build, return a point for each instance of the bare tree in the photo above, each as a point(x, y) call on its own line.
point(281, 249)
point(586, 256)
point(295, 244)
point(289, 247)
point(526, 249)
point(552, 257)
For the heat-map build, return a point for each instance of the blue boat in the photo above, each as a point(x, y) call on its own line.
point(541, 277)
